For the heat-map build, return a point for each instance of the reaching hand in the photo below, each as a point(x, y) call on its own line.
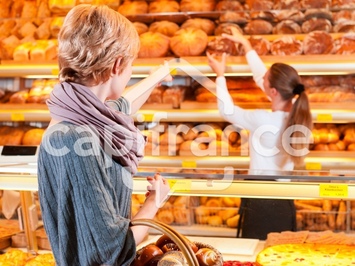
point(238, 37)
point(219, 67)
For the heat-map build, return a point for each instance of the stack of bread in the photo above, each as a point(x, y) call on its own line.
point(20, 135)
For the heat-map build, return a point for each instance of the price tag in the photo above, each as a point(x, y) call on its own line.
point(189, 164)
point(333, 190)
point(180, 185)
point(148, 117)
point(173, 71)
point(324, 118)
point(17, 117)
point(313, 166)
point(55, 71)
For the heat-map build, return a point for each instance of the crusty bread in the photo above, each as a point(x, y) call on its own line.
point(153, 44)
point(189, 42)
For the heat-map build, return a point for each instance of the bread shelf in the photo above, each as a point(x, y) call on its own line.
point(192, 66)
point(196, 112)
point(316, 160)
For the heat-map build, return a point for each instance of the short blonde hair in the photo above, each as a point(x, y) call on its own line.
point(90, 41)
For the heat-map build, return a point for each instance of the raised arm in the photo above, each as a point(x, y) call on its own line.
point(254, 61)
point(138, 94)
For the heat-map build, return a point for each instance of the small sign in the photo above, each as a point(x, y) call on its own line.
point(324, 118)
point(180, 185)
point(313, 166)
point(333, 190)
point(17, 117)
point(189, 164)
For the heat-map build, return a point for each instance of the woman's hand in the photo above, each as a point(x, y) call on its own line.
point(158, 189)
point(238, 37)
point(219, 67)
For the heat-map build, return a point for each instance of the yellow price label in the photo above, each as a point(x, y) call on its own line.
point(313, 166)
point(17, 117)
point(189, 164)
point(324, 118)
point(180, 185)
point(55, 71)
point(333, 190)
point(148, 117)
point(173, 71)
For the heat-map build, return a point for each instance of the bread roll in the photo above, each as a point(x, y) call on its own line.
point(153, 44)
point(33, 136)
point(140, 27)
point(229, 6)
point(315, 3)
point(197, 5)
point(132, 8)
point(189, 42)
point(287, 5)
point(260, 4)
point(204, 24)
point(346, 44)
point(165, 27)
point(162, 6)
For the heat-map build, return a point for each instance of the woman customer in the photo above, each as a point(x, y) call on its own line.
point(271, 147)
point(91, 148)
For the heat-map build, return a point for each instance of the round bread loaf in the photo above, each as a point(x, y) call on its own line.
point(189, 42)
point(229, 6)
point(286, 45)
point(287, 27)
point(346, 44)
point(197, 5)
point(260, 4)
point(316, 24)
point(165, 27)
point(234, 17)
point(315, 3)
point(225, 28)
point(295, 15)
point(258, 26)
point(219, 45)
point(140, 27)
point(287, 5)
point(260, 45)
point(132, 8)
point(318, 42)
point(162, 6)
point(204, 24)
point(153, 44)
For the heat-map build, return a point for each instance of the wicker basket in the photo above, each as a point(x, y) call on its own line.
point(181, 241)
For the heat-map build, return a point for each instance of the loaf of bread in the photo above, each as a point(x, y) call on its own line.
point(162, 6)
point(204, 24)
point(197, 5)
point(258, 26)
point(140, 27)
point(219, 45)
point(132, 8)
point(174, 95)
point(316, 24)
point(189, 42)
point(287, 26)
point(240, 18)
point(153, 44)
point(286, 45)
point(165, 27)
point(229, 6)
point(225, 28)
point(33, 136)
point(318, 42)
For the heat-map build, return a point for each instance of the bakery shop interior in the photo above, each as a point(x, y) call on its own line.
point(222, 208)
